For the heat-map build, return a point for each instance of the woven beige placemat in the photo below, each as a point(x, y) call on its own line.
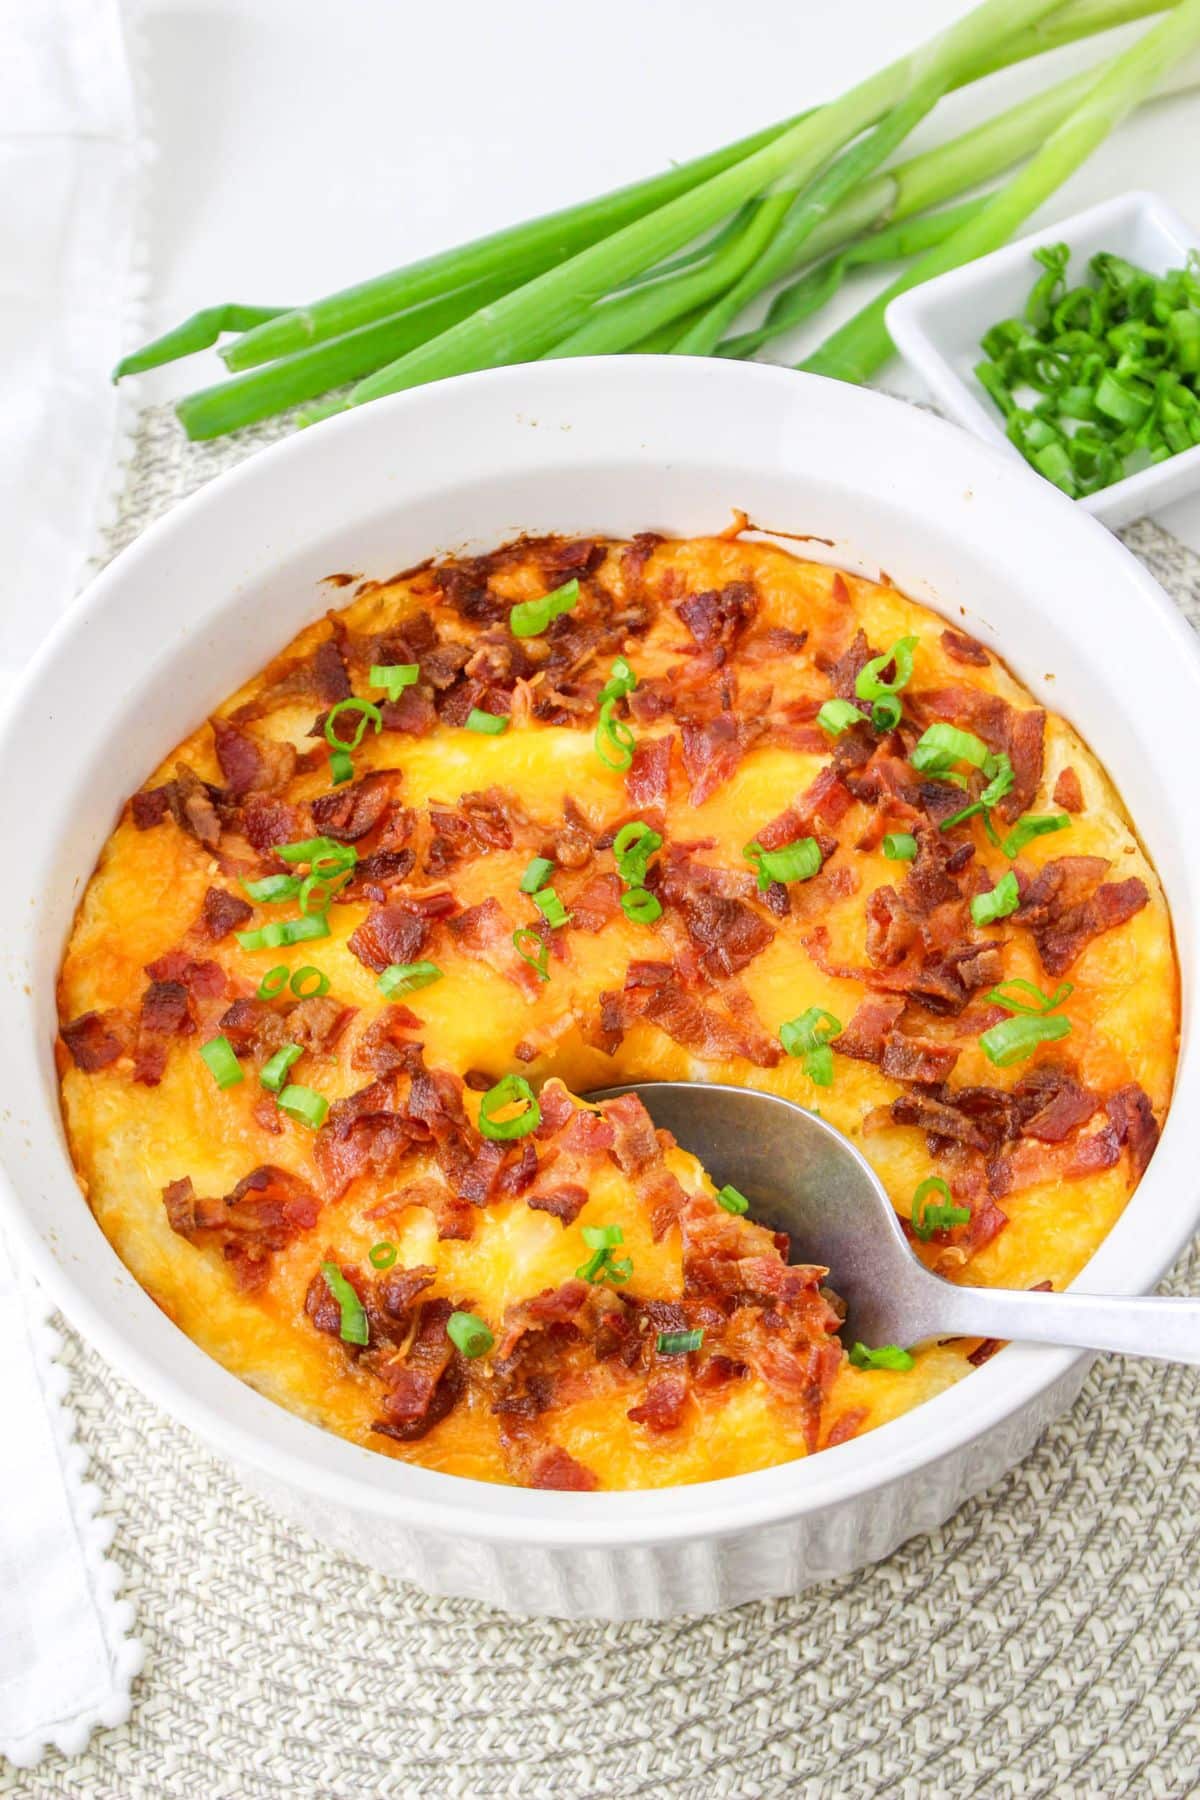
point(1043, 1643)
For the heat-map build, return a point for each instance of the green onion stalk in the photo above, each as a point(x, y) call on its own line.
point(859, 348)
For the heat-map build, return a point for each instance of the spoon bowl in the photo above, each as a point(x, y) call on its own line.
point(803, 1176)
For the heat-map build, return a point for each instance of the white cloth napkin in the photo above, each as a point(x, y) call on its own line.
point(70, 159)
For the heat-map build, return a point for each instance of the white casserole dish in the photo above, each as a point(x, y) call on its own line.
point(208, 594)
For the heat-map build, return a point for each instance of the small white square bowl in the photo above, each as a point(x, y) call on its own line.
point(937, 327)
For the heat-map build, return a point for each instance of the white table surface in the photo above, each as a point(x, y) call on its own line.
point(306, 144)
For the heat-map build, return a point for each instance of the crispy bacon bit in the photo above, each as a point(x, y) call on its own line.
point(349, 813)
point(251, 764)
point(825, 801)
point(426, 1383)
point(254, 1027)
point(647, 780)
point(907, 1058)
point(92, 1041)
point(222, 912)
point(846, 1425)
point(266, 1210)
point(1132, 1118)
point(720, 616)
point(204, 980)
point(635, 1146)
point(1019, 733)
point(317, 1023)
point(1068, 793)
point(150, 806)
point(413, 713)
point(330, 678)
point(1065, 907)
point(727, 933)
point(662, 1407)
point(964, 649)
point(554, 1468)
point(385, 1046)
point(845, 671)
point(266, 822)
point(364, 1134)
point(485, 931)
point(389, 934)
point(454, 1218)
point(712, 750)
point(1061, 1103)
point(711, 1034)
point(192, 807)
point(566, 1201)
point(165, 1008)
point(596, 903)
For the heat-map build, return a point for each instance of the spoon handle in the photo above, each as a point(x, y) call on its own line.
point(1135, 1326)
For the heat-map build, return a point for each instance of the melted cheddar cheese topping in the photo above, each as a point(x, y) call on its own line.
point(735, 645)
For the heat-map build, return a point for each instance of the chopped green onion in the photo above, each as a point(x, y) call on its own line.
point(355, 1328)
point(485, 723)
point(536, 873)
point(733, 1201)
point(888, 1356)
point(393, 678)
point(406, 978)
point(941, 746)
point(614, 739)
point(539, 959)
point(468, 1333)
point(529, 618)
point(837, 716)
point(869, 683)
point(1012, 1040)
point(341, 767)
point(998, 902)
point(223, 1065)
point(633, 847)
point(1037, 1002)
point(1000, 769)
point(272, 887)
point(273, 982)
point(679, 1343)
point(641, 906)
point(1033, 825)
point(621, 681)
point(382, 1255)
point(273, 1074)
point(284, 931)
point(551, 908)
point(324, 855)
point(927, 1219)
point(309, 983)
point(510, 1091)
point(808, 1037)
point(886, 713)
point(603, 1237)
point(900, 846)
point(797, 861)
point(304, 1104)
point(318, 892)
point(369, 714)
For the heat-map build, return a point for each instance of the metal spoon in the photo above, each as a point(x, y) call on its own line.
point(802, 1176)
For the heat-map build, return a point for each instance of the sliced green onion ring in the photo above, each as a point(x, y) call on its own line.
point(393, 678)
point(309, 983)
point(406, 978)
point(383, 1254)
point(869, 683)
point(900, 846)
point(1033, 825)
point(633, 846)
point(469, 1333)
point(539, 960)
point(614, 739)
point(641, 906)
point(536, 874)
point(1012, 1040)
point(223, 1065)
point(509, 1091)
point(732, 1200)
point(941, 746)
point(837, 716)
point(273, 982)
point(926, 1218)
point(369, 714)
point(272, 888)
point(551, 908)
point(485, 723)
point(998, 902)
point(305, 1105)
point(887, 1356)
point(273, 1074)
point(797, 861)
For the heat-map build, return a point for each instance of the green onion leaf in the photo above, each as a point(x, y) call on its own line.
point(223, 1065)
point(621, 681)
point(1012, 1040)
point(900, 846)
point(368, 714)
point(318, 892)
point(837, 716)
point(324, 855)
point(679, 1343)
point(272, 887)
point(382, 1255)
point(284, 931)
point(510, 1091)
point(797, 861)
point(536, 873)
point(551, 908)
point(733, 1201)
point(355, 1328)
point(305, 1105)
point(273, 1074)
point(406, 978)
point(485, 723)
point(633, 847)
point(641, 906)
point(1019, 996)
point(886, 713)
point(614, 739)
point(393, 678)
point(603, 1237)
point(998, 903)
point(941, 746)
point(273, 982)
point(888, 1356)
point(468, 1333)
point(869, 683)
point(927, 1219)
point(529, 618)
point(341, 767)
point(525, 938)
point(309, 983)
point(1031, 826)
point(809, 1031)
